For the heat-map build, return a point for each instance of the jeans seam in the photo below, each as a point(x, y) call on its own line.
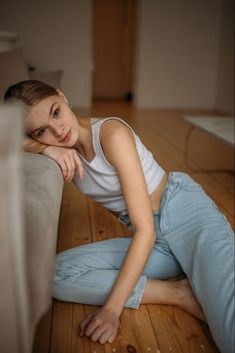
point(223, 217)
point(168, 197)
point(138, 297)
point(71, 281)
point(94, 252)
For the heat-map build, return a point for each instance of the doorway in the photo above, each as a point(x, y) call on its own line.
point(114, 45)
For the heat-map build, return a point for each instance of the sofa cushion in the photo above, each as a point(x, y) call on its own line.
point(13, 69)
point(53, 78)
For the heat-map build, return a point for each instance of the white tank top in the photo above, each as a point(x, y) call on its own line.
point(101, 181)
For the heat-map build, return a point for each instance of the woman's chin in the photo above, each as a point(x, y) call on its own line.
point(73, 140)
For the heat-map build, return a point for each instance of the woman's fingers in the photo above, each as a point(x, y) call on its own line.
point(84, 323)
point(103, 334)
point(108, 336)
point(101, 326)
point(68, 160)
point(74, 164)
point(79, 166)
point(69, 168)
point(112, 337)
point(92, 326)
point(98, 333)
point(64, 168)
point(71, 157)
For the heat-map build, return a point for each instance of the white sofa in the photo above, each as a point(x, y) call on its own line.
point(41, 189)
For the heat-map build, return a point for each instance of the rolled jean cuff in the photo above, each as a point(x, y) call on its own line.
point(135, 298)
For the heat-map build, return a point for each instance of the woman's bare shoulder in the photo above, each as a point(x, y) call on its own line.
point(114, 128)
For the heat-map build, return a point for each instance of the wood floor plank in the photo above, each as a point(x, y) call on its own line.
point(65, 337)
point(42, 335)
point(177, 331)
point(74, 223)
point(136, 332)
point(103, 224)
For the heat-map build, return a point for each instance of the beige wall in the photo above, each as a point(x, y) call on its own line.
point(225, 80)
point(177, 54)
point(55, 35)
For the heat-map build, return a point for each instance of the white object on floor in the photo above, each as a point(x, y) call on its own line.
point(222, 127)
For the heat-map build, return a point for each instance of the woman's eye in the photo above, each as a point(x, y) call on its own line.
point(41, 132)
point(56, 113)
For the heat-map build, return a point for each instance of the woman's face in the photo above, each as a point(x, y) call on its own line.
point(52, 122)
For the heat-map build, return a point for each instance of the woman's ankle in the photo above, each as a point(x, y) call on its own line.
point(162, 292)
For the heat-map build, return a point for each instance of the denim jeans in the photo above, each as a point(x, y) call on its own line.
point(193, 237)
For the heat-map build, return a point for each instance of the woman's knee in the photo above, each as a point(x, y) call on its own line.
point(98, 255)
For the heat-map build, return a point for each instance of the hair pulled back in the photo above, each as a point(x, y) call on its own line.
point(29, 92)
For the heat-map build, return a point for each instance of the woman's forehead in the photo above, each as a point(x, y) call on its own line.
point(43, 107)
point(43, 104)
point(40, 112)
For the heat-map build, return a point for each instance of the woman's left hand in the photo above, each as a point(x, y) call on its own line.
point(101, 326)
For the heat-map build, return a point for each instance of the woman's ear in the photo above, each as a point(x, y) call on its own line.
point(62, 96)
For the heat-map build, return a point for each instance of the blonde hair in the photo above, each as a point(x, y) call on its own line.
point(29, 92)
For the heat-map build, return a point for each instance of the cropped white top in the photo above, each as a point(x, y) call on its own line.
point(101, 181)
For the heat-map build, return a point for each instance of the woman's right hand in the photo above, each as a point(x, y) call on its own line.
point(68, 160)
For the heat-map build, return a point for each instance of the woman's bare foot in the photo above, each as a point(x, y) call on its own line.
point(177, 293)
point(188, 301)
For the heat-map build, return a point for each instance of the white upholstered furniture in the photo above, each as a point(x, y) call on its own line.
point(30, 196)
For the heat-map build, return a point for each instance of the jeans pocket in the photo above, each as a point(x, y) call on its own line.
point(188, 184)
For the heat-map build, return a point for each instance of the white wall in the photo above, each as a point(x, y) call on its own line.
point(177, 54)
point(55, 35)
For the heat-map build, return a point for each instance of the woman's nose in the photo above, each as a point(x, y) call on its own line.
point(57, 131)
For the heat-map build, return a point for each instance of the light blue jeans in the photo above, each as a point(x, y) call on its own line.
point(193, 237)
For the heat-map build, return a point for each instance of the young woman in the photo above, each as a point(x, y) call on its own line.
point(177, 227)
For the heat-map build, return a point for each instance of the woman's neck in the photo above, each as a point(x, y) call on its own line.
point(84, 143)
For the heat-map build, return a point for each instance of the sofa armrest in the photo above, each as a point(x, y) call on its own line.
point(42, 192)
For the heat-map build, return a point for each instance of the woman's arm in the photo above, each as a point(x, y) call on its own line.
point(30, 145)
point(67, 158)
point(120, 150)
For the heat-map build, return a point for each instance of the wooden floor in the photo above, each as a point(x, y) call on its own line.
point(152, 328)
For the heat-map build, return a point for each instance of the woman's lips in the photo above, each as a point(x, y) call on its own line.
point(67, 137)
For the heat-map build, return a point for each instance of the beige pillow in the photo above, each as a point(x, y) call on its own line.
point(53, 78)
point(13, 69)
